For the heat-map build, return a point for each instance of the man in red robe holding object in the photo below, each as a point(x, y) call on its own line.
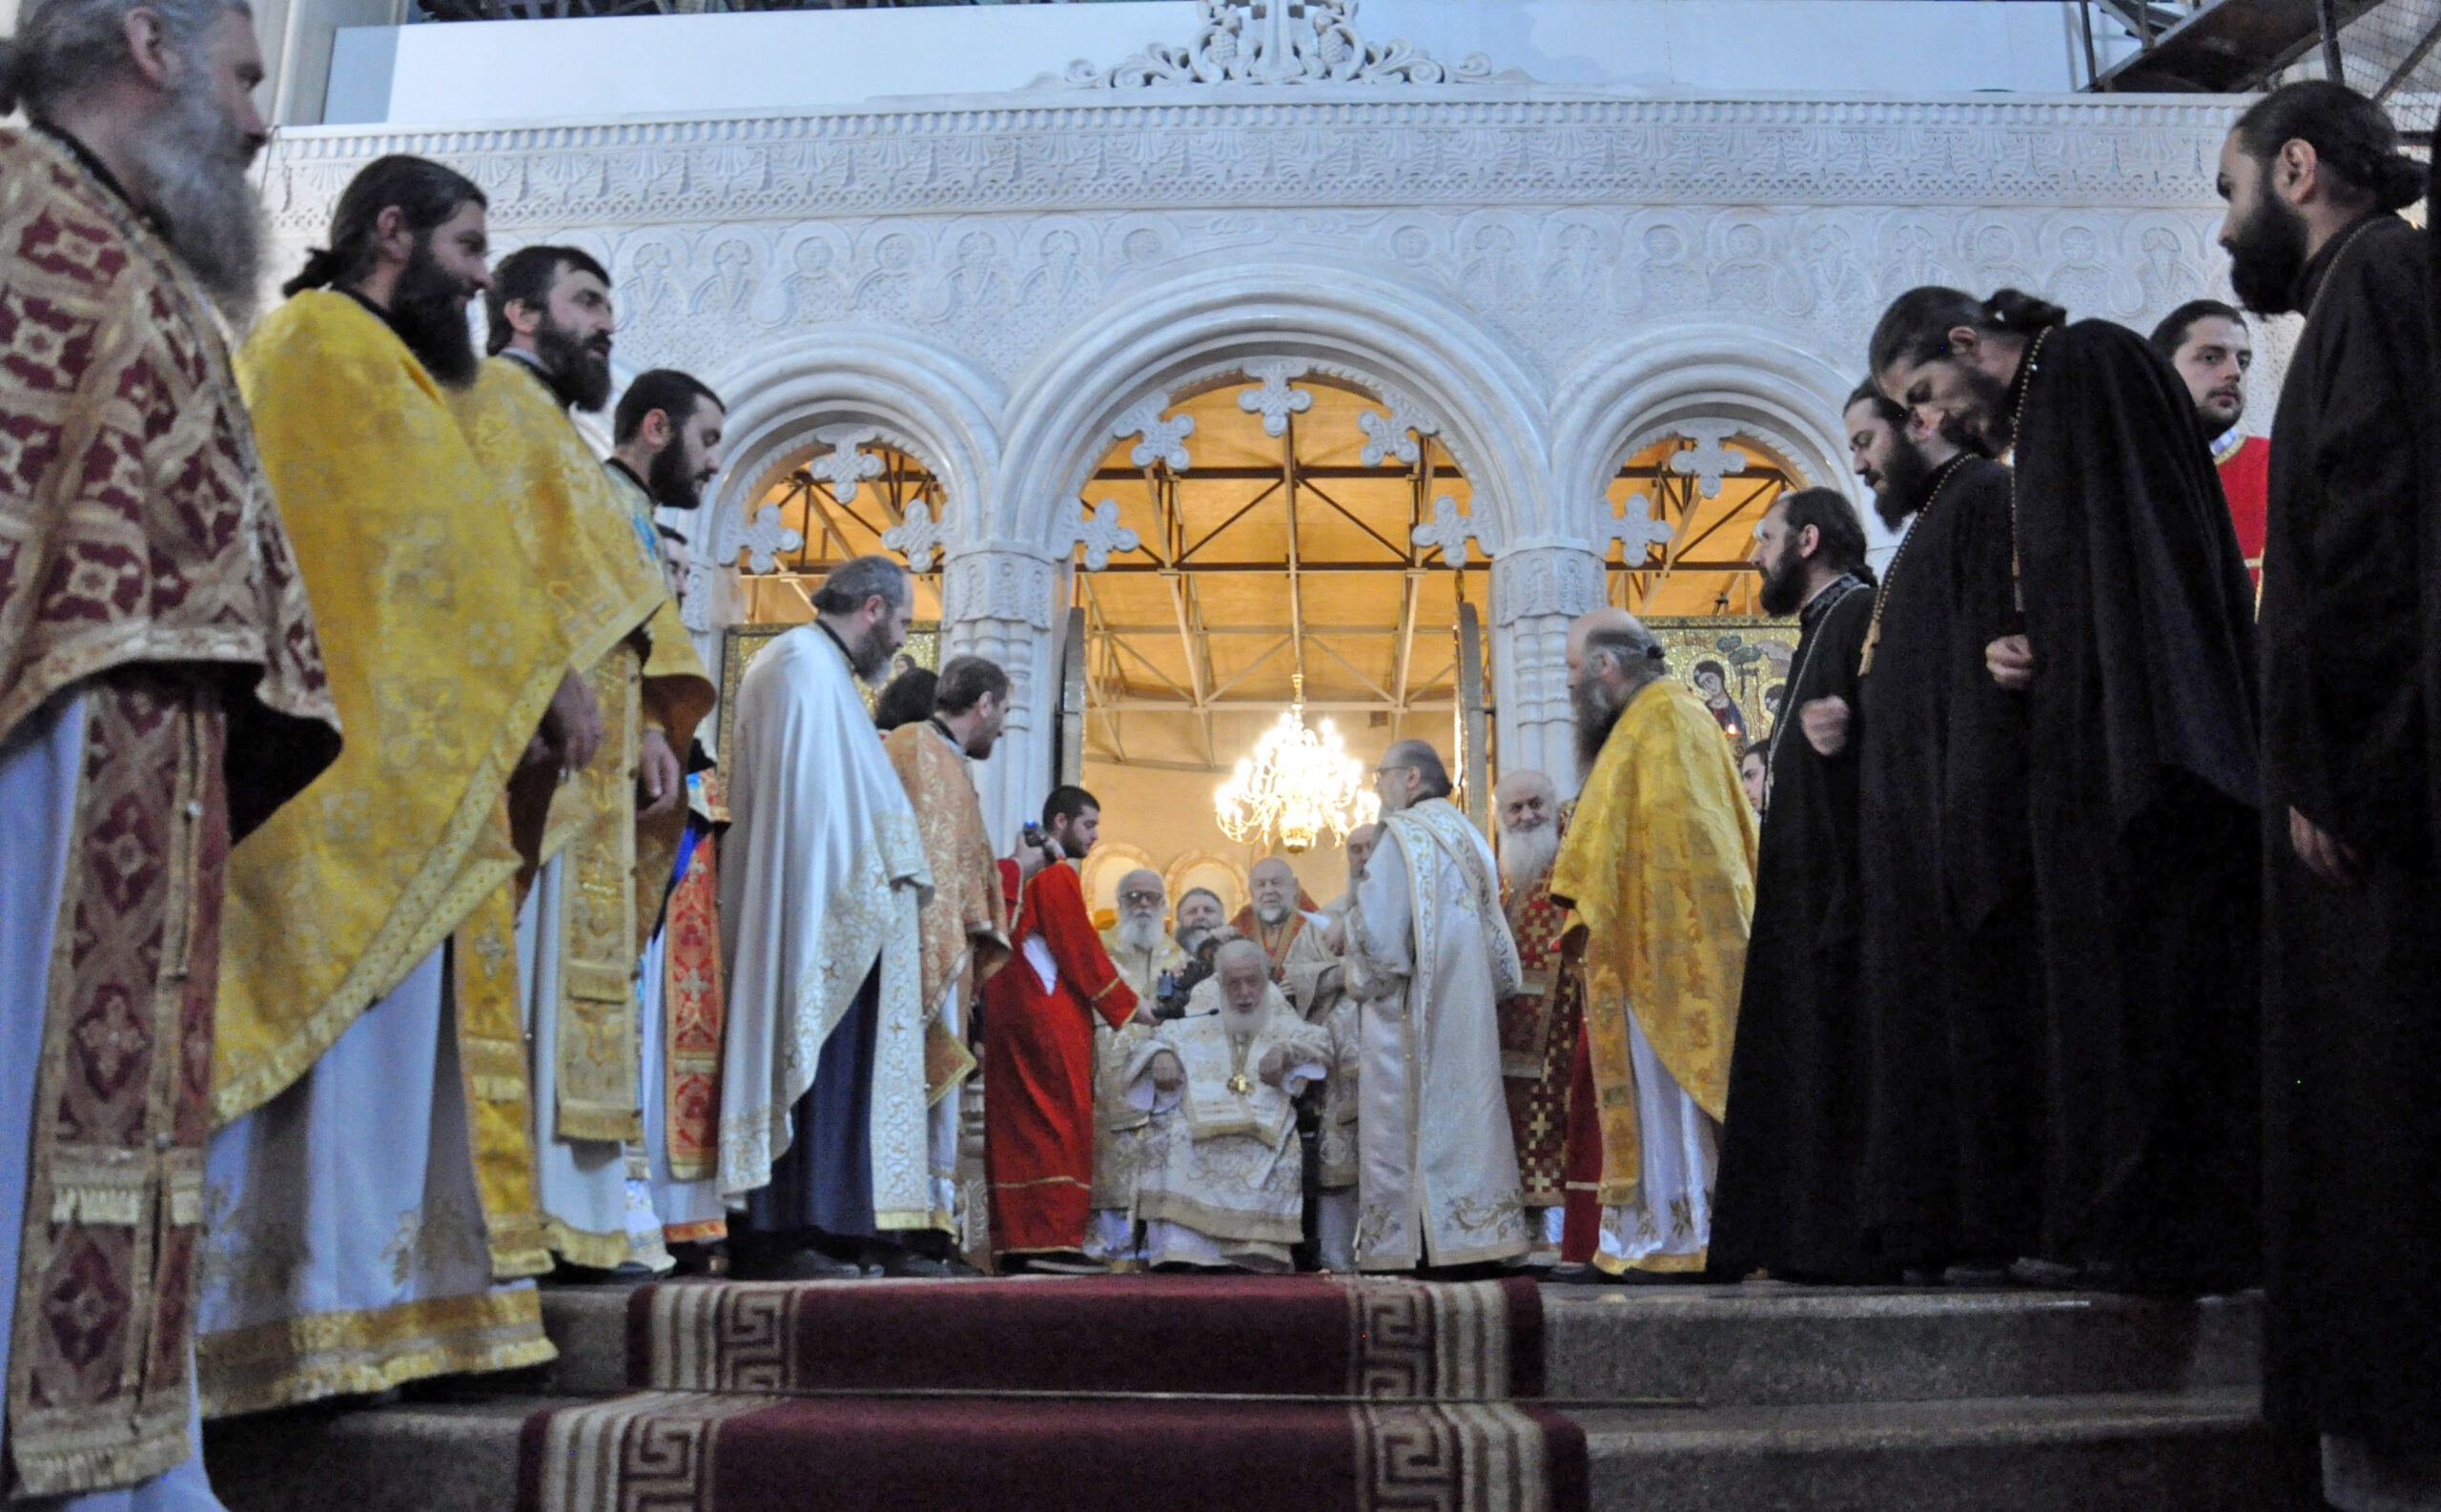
point(1039, 1058)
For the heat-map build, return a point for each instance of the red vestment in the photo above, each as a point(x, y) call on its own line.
point(1038, 1070)
point(1538, 1035)
point(2245, 482)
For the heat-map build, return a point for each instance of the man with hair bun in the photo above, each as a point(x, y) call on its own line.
point(1786, 1199)
point(2353, 1039)
point(370, 1069)
point(160, 677)
point(2137, 661)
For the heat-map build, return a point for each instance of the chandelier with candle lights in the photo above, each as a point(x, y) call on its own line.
point(1298, 785)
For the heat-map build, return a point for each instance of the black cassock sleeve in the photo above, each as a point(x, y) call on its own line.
point(2346, 540)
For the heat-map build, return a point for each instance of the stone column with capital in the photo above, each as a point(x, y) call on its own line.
point(1003, 605)
point(1535, 592)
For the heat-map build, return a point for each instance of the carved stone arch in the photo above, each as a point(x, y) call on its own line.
point(940, 406)
point(1625, 395)
point(1382, 334)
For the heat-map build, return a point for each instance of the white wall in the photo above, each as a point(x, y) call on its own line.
point(698, 64)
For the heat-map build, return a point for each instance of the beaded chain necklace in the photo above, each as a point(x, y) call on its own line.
point(2017, 419)
point(1881, 598)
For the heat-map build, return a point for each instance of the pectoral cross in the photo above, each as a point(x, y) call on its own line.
point(1241, 1083)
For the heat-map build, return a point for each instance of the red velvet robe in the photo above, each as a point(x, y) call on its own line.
point(1038, 1070)
point(2245, 482)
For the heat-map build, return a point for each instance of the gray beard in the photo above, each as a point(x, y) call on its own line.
point(1140, 931)
point(1277, 914)
point(191, 165)
point(1192, 940)
point(1526, 855)
point(870, 658)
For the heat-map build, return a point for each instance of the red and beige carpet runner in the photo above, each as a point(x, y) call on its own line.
point(1115, 1393)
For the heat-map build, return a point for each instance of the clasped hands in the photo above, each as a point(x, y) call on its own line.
point(1168, 1075)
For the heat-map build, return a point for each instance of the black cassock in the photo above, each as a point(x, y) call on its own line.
point(2352, 990)
point(1785, 1195)
point(1953, 1148)
point(2142, 799)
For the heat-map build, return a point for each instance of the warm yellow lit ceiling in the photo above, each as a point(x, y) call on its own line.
point(1201, 623)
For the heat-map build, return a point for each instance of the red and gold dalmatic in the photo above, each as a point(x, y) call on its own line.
point(144, 570)
point(1538, 1029)
point(1038, 1069)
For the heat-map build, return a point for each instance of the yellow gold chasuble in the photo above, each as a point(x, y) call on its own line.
point(441, 660)
point(965, 922)
point(600, 569)
point(1658, 870)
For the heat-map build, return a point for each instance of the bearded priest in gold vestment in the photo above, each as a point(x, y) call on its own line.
point(964, 924)
point(1142, 947)
point(370, 1195)
point(579, 943)
point(1657, 869)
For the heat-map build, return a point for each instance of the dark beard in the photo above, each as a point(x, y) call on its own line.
point(667, 478)
point(1991, 429)
point(428, 310)
point(2265, 257)
point(1784, 582)
point(190, 164)
point(580, 373)
point(1595, 718)
point(870, 658)
point(1905, 479)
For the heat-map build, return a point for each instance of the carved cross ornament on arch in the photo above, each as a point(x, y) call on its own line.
point(1160, 441)
point(1711, 459)
point(1395, 434)
point(1099, 532)
point(1272, 398)
point(1638, 534)
point(1280, 42)
point(848, 464)
point(1446, 529)
point(765, 536)
point(918, 537)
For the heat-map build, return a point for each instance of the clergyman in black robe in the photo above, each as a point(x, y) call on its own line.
point(1954, 1123)
point(2137, 661)
point(1784, 1199)
point(2352, 953)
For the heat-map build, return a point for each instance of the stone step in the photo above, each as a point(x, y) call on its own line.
point(2196, 1451)
point(1760, 1344)
point(1766, 1343)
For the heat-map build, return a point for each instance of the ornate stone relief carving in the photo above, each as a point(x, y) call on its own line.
point(1161, 441)
point(1278, 42)
point(1099, 532)
point(1446, 529)
point(1001, 585)
point(1397, 433)
point(763, 539)
point(1272, 398)
point(1638, 534)
point(916, 537)
point(1711, 458)
point(846, 467)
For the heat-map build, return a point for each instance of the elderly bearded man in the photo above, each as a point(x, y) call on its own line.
point(823, 877)
point(1538, 1026)
point(1276, 916)
point(1150, 961)
point(579, 943)
point(1659, 872)
point(1222, 1187)
point(1335, 1111)
point(167, 684)
point(964, 922)
point(370, 1068)
point(1433, 961)
point(1202, 923)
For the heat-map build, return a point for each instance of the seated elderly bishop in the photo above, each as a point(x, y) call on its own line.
point(1222, 1184)
point(1150, 960)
